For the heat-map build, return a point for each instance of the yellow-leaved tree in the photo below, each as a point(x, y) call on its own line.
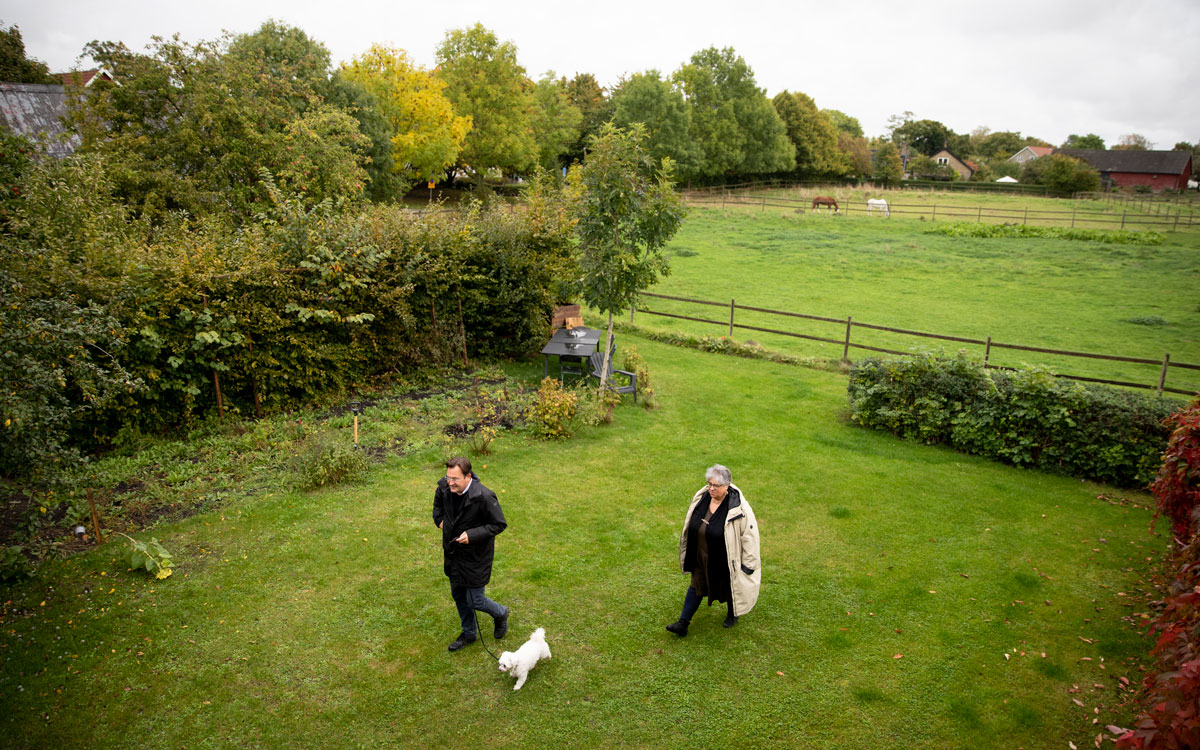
point(427, 135)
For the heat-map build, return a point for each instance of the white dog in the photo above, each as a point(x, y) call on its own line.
point(520, 662)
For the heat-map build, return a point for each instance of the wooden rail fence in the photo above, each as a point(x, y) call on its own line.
point(1162, 216)
point(847, 344)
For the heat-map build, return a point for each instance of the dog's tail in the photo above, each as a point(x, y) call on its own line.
point(539, 635)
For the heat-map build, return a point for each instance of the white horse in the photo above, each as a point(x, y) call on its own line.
point(878, 204)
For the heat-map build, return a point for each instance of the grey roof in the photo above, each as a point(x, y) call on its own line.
point(1150, 162)
point(34, 109)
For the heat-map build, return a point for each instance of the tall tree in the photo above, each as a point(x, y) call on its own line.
point(857, 154)
point(651, 100)
point(15, 66)
point(895, 122)
point(190, 126)
point(888, 168)
point(732, 120)
point(627, 210)
point(590, 99)
point(1091, 140)
point(844, 122)
point(925, 136)
point(485, 82)
point(1133, 142)
point(811, 133)
point(998, 145)
point(556, 122)
point(426, 135)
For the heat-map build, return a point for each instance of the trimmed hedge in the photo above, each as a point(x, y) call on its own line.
point(1027, 418)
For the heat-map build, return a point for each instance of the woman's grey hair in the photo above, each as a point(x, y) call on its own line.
point(719, 473)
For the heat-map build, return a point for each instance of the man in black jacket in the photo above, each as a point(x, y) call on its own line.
point(469, 516)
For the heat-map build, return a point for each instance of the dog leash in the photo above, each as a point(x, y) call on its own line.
point(479, 633)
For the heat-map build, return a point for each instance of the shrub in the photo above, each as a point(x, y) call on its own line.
point(1110, 237)
point(328, 461)
point(552, 410)
point(1025, 418)
point(1173, 693)
point(1177, 486)
point(634, 363)
point(14, 565)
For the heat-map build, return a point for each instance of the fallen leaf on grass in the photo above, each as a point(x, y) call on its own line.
point(780, 674)
point(898, 656)
point(1078, 702)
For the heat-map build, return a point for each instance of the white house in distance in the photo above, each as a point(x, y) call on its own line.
point(1029, 153)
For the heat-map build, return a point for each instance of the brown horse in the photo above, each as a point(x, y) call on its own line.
point(825, 200)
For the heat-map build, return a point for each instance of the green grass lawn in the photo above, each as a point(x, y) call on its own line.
point(1127, 300)
point(912, 597)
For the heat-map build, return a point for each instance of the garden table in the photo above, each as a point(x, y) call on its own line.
point(574, 344)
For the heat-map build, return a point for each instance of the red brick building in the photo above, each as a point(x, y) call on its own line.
point(1158, 170)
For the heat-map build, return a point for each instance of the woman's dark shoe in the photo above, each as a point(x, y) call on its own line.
point(730, 621)
point(679, 627)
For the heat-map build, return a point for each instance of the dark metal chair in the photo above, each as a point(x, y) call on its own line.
point(596, 360)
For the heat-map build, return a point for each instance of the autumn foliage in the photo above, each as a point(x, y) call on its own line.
point(1172, 716)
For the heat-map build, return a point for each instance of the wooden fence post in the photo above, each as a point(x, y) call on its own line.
point(846, 346)
point(631, 307)
point(95, 517)
point(1073, 210)
point(987, 352)
point(1162, 379)
point(217, 388)
point(462, 329)
point(934, 216)
point(730, 318)
point(1026, 219)
point(1123, 219)
point(979, 216)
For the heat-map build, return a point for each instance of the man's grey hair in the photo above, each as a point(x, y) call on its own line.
point(719, 473)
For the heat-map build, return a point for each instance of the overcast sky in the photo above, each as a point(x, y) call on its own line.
point(1047, 68)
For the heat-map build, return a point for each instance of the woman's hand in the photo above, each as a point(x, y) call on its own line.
point(462, 538)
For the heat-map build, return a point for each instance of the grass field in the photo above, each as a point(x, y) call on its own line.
point(912, 597)
point(1128, 300)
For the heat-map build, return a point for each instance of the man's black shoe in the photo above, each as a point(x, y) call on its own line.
point(679, 627)
point(502, 624)
point(460, 642)
point(730, 621)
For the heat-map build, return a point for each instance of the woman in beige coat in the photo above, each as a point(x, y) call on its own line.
point(719, 548)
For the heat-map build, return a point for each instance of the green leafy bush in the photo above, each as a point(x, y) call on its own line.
point(328, 460)
point(552, 411)
point(634, 363)
point(1026, 418)
point(14, 565)
point(1110, 237)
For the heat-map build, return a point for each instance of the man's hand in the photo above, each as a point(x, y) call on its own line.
point(440, 523)
point(462, 538)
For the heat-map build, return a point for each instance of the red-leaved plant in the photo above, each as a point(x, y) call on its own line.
point(1172, 716)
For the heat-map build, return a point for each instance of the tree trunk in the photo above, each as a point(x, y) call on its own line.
point(607, 352)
